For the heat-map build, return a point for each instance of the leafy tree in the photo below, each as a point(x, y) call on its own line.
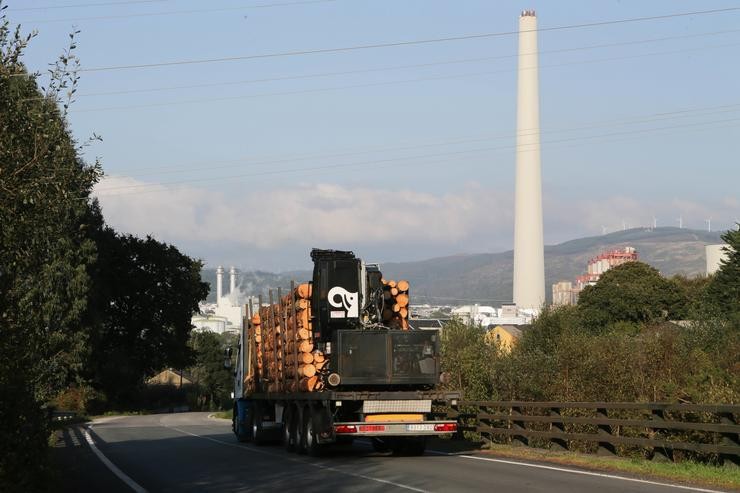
point(144, 295)
point(723, 292)
point(468, 359)
point(44, 256)
point(631, 292)
point(211, 378)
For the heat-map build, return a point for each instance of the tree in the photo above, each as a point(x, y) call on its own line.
point(467, 358)
point(632, 292)
point(723, 292)
point(144, 294)
point(215, 381)
point(44, 256)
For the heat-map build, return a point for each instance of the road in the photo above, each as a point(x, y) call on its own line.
point(192, 452)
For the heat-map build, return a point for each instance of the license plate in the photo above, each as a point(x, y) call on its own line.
point(420, 427)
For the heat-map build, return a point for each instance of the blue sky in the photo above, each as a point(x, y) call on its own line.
point(399, 153)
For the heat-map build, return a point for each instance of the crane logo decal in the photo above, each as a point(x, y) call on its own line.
point(341, 298)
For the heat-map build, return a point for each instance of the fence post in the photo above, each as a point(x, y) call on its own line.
point(518, 440)
point(557, 443)
point(605, 448)
point(729, 439)
point(660, 454)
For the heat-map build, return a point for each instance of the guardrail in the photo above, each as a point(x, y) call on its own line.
point(62, 415)
point(707, 432)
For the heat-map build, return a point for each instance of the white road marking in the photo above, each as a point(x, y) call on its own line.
point(315, 464)
point(577, 471)
point(114, 469)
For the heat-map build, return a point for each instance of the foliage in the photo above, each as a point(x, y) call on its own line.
point(632, 292)
point(723, 292)
point(82, 309)
point(213, 382)
point(144, 295)
point(466, 357)
point(44, 255)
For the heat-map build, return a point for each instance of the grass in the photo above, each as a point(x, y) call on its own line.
point(223, 414)
point(690, 473)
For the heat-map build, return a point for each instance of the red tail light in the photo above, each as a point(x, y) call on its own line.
point(345, 429)
point(446, 427)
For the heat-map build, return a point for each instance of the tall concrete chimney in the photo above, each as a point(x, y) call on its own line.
point(529, 256)
point(219, 284)
point(232, 281)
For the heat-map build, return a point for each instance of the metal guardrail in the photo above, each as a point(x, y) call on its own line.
point(611, 427)
point(62, 415)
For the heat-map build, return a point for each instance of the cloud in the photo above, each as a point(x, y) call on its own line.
point(306, 214)
point(265, 224)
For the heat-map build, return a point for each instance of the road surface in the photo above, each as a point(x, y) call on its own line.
point(192, 452)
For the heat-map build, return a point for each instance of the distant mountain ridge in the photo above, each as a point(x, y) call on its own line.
point(487, 277)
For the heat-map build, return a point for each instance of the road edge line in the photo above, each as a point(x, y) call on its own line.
point(110, 465)
point(578, 471)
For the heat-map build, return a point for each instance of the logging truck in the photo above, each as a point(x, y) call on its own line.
point(334, 359)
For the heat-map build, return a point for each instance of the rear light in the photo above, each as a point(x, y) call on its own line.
point(372, 427)
point(338, 429)
point(446, 427)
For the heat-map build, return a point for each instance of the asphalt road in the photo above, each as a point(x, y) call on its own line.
point(191, 452)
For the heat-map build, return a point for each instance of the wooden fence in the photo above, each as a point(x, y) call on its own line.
point(655, 430)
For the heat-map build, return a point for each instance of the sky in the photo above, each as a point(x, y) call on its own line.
point(400, 152)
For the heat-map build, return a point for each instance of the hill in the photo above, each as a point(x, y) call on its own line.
point(487, 277)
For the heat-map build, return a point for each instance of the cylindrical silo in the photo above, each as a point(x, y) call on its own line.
point(715, 255)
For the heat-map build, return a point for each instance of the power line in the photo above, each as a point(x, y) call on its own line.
point(402, 43)
point(80, 5)
point(686, 113)
point(175, 12)
point(389, 160)
point(390, 68)
point(386, 83)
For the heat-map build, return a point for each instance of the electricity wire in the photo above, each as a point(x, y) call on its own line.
point(387, 83)
point(402, 43)
point(391, 68)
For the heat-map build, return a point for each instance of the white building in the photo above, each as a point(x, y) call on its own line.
point(487, 315)
point(227, 314)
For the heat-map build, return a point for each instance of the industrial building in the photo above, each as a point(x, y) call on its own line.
point(566, 293)
point(227, 314)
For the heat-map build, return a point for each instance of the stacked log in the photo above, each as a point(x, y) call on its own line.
point(396, 304)
point(286, 357)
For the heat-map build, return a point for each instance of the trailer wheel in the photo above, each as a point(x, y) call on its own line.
point(301, 415)
point(258, 432)
point(313, 420)
point(289, 429)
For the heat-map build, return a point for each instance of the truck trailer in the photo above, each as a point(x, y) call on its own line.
point(336, 358)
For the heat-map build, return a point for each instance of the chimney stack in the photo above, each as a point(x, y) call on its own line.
point(232, 281)
point(219, 284)
point(529, 257)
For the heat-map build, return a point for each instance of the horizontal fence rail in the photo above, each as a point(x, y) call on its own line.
point(653, 429)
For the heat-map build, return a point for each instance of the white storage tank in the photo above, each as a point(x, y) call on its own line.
point(715, 255)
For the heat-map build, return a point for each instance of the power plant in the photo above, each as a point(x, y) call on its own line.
point(529, 256)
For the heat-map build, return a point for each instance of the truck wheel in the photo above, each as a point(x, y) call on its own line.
point(301, 415)
point(258, 433)
point(289, 429)
point(313, 418)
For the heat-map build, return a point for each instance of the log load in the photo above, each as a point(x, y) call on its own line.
point(396, 300)
point(282, 339)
